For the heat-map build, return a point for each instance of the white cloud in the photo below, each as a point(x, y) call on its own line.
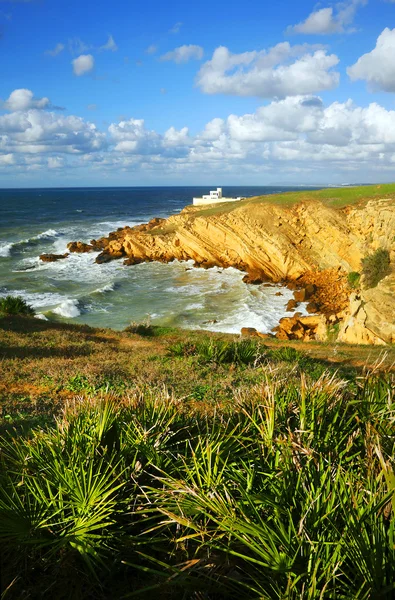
point(176, 27)
point(132, 137)
point(151, 49)
point(83, 64)
point(55, 162)
point(7, 159)
point(77, 46)
point(174, 138)
point(325, 21)
point(109, 45)
point(377, 67)
point(213, 129)
point(183, 54)
point(23, 99)
point(281, 71)
point(294, 135)
point(55, 51)
point(37, 131)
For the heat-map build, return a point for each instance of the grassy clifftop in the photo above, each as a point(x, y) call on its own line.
point(332, 197)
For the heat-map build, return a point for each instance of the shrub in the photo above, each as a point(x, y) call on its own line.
point(353, 279)
point(14, 305)
point(375, 267)
point(244, 352)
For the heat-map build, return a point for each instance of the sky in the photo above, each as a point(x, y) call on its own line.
point(127, 93)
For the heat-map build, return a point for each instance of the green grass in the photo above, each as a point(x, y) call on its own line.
point(332, 197)
point(289, 495)
point(375, 267)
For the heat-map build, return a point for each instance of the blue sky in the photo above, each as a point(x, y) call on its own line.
point(127, 93)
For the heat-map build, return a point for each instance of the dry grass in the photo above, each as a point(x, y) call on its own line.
point(42, 365)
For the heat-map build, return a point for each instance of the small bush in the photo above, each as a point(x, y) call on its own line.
point(375, 267)
point(14, 305)
point(244, 352)
point(354, 279)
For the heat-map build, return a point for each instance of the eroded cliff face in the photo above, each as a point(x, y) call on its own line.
point(271, 242)
point(277, 242)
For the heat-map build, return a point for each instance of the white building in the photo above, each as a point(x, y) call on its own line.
point(214, 197)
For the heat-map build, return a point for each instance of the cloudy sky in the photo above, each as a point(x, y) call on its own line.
point(178, 93)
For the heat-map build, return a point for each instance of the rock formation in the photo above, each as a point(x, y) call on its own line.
point(53, 257)
point(310, 244)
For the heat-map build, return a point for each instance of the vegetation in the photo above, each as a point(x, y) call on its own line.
point(353, 279)
point(333, 197)
point(375, 267)
point(14, 305)
point(289, 496)
point(193, 465)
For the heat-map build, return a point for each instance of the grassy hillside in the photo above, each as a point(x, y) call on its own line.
point(333, 197)
point(189, 465)
point(44, 364)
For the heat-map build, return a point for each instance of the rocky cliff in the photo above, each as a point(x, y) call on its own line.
point(274, 242)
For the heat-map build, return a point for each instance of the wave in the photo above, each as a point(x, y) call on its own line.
point(110, 287)
point(7, 247)
point(68, 308)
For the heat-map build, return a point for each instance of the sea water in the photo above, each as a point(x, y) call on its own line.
point(76, 289)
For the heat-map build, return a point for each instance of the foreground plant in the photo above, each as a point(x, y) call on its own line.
point(14, 305)
point(288, 496)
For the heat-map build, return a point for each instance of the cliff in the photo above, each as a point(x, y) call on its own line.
point(273, 241)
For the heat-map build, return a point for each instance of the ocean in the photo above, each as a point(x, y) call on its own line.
point(77, 290)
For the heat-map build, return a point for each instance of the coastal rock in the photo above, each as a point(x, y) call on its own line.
point(53, 257)
point(302, 328)
point(370, 318)
point(79, 247)
point(310, 246)
point(291, 305)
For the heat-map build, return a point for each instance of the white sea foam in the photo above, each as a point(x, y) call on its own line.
point(68, 308)
point(34, 299)
point(110, 287)
point(41, 316)
point(5, 249)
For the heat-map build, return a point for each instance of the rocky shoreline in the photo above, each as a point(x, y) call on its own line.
point(309, 246)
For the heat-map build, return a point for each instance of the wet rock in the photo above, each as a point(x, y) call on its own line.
point(312, 307)
point(53, 257)
point(300, 295)
point(79, 247)
point(253, 278)
point(291, 305)
point(106, 257)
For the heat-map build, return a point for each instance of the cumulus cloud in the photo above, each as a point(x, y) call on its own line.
point(22, 99)
point(109, 45)
point(325, 21)
point(55, 51)
point(183, 54)
point(132, 137)
point(296, 134)
point(281, 71)
point(83, 64)
point(36, 131)
point(377, 67)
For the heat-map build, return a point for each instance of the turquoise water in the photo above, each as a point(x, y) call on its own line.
point(113, 295)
